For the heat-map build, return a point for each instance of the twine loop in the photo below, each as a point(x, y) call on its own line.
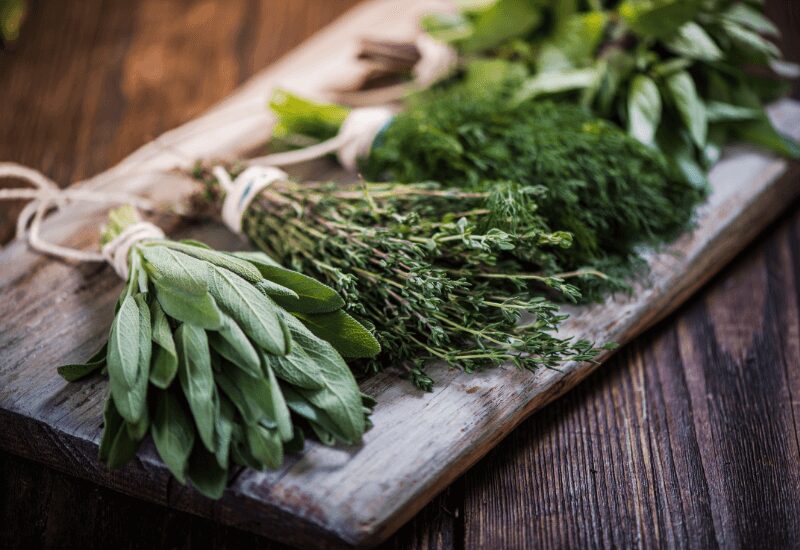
point(239, 193)
point(436, 60)
point(46, 195)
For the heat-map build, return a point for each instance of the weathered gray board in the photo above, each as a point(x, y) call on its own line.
point(52, 312)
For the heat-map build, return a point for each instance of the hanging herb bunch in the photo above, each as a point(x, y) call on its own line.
point(224, 359)
point(685, 76)
point(428, 268)
point(585, 176)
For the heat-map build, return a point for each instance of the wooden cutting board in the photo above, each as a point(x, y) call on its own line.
point(53, 312)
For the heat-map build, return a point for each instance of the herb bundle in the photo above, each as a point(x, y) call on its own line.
point(678, 74)
point(224, 359)
point(587, 177)
point(425, 266)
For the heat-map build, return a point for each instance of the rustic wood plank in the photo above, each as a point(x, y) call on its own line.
point(302, 504)
point(688, 438)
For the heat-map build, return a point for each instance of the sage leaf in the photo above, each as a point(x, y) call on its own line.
point(223, 428)
point(231, 342)
point(343, 332)
point(275, 290)
point(644, 109)
point(116, 447)
point(280, 411)
point(206, 474)
point(312, 296)
point(220, 259)
point(165, 360)
point(76, 371)
point(123, 361)
point(173, 434)
point(176, 269)
point(250, 396)
point(300, 405)
point(197, 379)
point(691, 108)
point(198, 309)
point(265, 445)
point(255, 313)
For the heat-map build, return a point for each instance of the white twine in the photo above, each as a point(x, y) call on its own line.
point(116, 251)
point(47, 195)
point(352, 143)
point(240, 192)
point(437, 60)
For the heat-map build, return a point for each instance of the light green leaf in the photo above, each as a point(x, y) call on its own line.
point(232, 343)
point(251, 396)
point(243, 269)
point(657, 18)
point(693, 42)
point(313, 296)
point(198, 309)
point(223, 428)
point(276, 291)
point(165, 361)
point(504, 20)
point(197, 379)
point(123, 361)
point(555, 82)
point(173, 434)
point(254, 312)
point(690, 107)
point(281, 413)
point(752, 19)
point(175, 269)
point(644, 109)
point(758, 47)
point(718, 111)
point(761, 132)
point(343, 332)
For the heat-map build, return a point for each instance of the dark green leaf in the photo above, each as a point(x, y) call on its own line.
point(76, 371)
point(197, 379)
point(232, 343)
point(221, 259)
point(265, 445)
point(503, 20)
point(173, 434)
point(343, 332)
point(117, 447)
point(206, 474)
point(165, 360)
point(198, 309)
point(691, 108)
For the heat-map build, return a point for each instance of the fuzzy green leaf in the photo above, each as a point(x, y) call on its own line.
point(165, 360)
point(265, 445)
point(220, 259)
point(254, 312)
point(198, 309)
point(173, 434)
point(123, 361)
point(117, 447)
point(206, 474)
point(197, 379)
point(343, 332)
point(76, 371)
point(232, 343)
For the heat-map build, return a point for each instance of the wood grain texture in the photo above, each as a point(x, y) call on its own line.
point(509, 512)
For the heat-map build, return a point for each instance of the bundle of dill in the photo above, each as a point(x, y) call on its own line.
point(423, 266)
point(584, 175)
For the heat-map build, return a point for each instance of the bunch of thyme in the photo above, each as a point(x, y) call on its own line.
point(421, 266)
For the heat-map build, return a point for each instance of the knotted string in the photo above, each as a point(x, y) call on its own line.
point(47, 195)
point(239, 193)
point(352, 143)
point(437, 60)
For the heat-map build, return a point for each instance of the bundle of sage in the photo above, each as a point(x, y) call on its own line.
point(224, 358)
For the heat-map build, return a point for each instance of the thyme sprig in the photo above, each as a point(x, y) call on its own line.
point(422, 265)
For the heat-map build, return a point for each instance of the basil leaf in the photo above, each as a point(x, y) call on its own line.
point(343, 332)
point(265, 445)
point(165, 362)
point(693, 42)
point(718, 111)
point(690, 107)
point(206, 474)
point(555, 82)
point(657, 18)
point(756, 47)
point(197, 379)
point(255, 313)
point(242, 268)
point(231, 342)
point(173, 434)
point(752, 19)
point(76, 371)
point(312, 296)
point(503, 20)
point(123, 361)
point(644, 109)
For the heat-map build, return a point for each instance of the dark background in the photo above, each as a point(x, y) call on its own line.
point(688, 437)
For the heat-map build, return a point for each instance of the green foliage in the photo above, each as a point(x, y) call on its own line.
point(207, 319)
point(615, 58)
point(429, 268)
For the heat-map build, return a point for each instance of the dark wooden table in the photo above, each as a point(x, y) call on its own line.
point(688, 437)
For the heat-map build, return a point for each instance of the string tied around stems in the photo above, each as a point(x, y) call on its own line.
point(46, 195)
point(240, 192)
point(352, 143)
